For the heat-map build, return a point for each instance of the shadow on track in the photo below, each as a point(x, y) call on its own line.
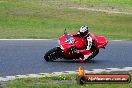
point(93, 61)
point(74, 61)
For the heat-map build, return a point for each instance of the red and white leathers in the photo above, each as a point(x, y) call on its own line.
point(87, 52)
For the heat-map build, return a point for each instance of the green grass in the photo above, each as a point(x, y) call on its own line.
point(49, 82)
point(37, 82)
point(48, 18)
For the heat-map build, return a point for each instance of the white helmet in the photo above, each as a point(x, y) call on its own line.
point(84, 31)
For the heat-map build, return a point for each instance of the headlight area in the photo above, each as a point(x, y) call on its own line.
point(58, 42)
point(60, 45)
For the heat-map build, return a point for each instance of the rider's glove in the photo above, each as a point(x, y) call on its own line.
point(74, 50)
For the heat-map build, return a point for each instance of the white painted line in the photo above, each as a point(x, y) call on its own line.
point(21, 76)
point(57, 73)
point(9, 78)
point(3, 79)
point(123, 69)
point(99, 70)
point(71, 72)
point(43, 73)
point(128, 68)
point(34, 75)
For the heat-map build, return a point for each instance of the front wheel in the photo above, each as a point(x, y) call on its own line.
point(53, 54)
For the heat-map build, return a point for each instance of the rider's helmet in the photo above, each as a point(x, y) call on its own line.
point(84, 31)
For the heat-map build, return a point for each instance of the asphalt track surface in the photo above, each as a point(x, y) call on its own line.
point(19, 57)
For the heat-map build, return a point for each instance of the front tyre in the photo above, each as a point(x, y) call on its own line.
point(53, 54)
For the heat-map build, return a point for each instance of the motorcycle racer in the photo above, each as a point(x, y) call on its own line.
point(90, 45)
point(82, 46)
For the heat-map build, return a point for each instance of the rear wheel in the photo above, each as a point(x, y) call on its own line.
point(53, 54)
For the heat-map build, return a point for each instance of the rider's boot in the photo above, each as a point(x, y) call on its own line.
point(82, 59)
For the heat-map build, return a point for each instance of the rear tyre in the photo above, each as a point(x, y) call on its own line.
point(52, 54)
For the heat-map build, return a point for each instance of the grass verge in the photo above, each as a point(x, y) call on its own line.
point(48, 18)
point(61, 81)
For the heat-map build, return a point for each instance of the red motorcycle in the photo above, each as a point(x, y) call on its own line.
point(69, 44)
